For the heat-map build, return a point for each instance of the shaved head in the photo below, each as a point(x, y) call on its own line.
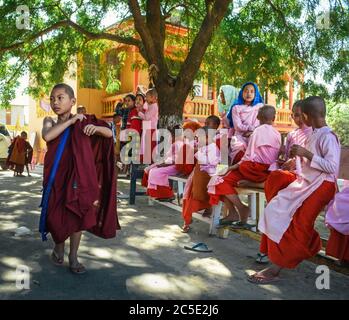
point(267, 112)
point(297, 104)
point(314, 107)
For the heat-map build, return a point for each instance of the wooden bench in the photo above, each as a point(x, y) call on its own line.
point(256, 199)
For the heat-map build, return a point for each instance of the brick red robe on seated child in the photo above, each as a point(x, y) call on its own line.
point(86, 174)
point(262, 151)
point(288, 221)
point(337, 219)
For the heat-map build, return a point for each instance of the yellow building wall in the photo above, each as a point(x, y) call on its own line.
point(127, 74)
point(91, 99)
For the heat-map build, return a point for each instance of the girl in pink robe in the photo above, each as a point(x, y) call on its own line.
point(156, 175)
point(242, 116)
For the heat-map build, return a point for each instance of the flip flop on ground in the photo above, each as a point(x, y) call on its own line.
point(198, 247)
point(226, 222)
point(77, 269)
point(56, 259)
point(262, 258)
point(241, 225)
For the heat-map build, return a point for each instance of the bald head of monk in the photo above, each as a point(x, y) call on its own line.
point(266, 114)
point(314, 112)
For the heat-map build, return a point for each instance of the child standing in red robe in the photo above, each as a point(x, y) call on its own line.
point(79, 178)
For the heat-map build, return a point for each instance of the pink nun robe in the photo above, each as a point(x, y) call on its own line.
point(261, 152)
point(159, 176)
point(337, 219)
point(278, 214)
point(150, 122)
point(244, 119)
point(337, 215)
point(278, 178)
point(298, 136)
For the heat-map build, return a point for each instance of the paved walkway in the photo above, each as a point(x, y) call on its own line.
point(145, 261)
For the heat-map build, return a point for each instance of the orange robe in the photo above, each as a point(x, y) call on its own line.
point(300, 241)
point(198, 199)
point(181, 164)
point(16, 158)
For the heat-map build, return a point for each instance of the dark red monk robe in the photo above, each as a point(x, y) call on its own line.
point(83, 195)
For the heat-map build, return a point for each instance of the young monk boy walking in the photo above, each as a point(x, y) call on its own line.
point(79, 178)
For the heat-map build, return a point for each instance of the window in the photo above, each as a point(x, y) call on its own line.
point(91, 72)
point(198, 88)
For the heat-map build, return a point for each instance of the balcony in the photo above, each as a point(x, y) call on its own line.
point(198, 109)
point(283, 120)
point(109, 104)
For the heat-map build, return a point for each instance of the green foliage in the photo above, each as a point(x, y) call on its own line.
point(258, 40)
point(338, 120)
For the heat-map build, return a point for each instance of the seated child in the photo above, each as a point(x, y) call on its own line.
point(242, 117)
point(195, 196)
point(155, 177)
point(288, 221)
point(262, 151)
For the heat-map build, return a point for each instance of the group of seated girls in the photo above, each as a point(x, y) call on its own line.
point(299, 179)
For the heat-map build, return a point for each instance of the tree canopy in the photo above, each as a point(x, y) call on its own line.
point(232, 42)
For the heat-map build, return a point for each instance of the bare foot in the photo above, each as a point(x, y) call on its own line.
point(266, 276)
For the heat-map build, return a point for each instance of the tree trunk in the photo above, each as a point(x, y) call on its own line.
point(171, 104)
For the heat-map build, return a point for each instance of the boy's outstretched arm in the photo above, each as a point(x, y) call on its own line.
point(91, 129)
point(50, 132)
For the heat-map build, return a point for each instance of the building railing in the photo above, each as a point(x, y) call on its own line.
point(283, 117)
point(109, 104)
point(199, 109)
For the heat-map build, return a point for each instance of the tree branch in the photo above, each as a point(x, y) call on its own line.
point(18, 69)
point(88, 34)
point(156, 26)
point(143, 31)
point(292, 33)
point(191, 65)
